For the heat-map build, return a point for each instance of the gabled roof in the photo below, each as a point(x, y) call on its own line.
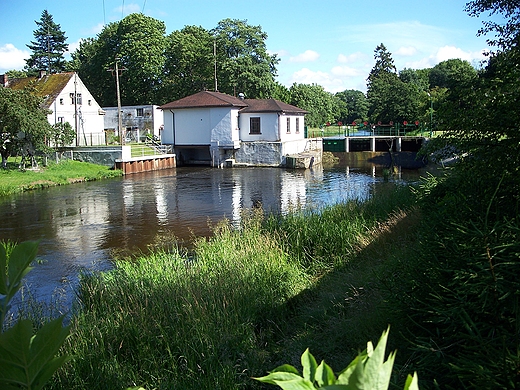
point(48, 87)
point(270, 105)
point(205, 99)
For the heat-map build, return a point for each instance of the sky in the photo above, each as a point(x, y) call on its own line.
point(326, 42)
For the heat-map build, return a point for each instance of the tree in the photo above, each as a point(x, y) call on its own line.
point(23, 123)
point(451, 73)
point(138, 43)
point(356, 105)
point(384, 64)
point(506, 35)
point(48, 47)
point(243, 63)
point(420, 78)
point(322, 106)
point(189, 63)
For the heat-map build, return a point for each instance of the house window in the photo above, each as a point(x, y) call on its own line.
point(61, 119)
point(78, 98)
point(140, 112)
point(288, 125)
point(297, 125)
point(61, 101)
point(89, 102)
point(254, 125)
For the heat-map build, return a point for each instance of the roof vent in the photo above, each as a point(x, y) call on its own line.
point(241, 96)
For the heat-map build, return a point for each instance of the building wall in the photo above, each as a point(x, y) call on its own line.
point(90, 124)
point(142, 118)
point(294, 133)
point(200, 126)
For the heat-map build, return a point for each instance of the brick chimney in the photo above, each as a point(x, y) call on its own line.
point(4, 80)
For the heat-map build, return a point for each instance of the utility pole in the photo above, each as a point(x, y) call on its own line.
point(120, 121)
point(215, 63)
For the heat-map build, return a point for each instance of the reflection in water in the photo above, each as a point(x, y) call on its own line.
point(78, 225)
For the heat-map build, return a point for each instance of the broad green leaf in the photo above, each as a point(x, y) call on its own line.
point(3, 270)
point(20, 260)
point(324, 375)
point(344, 376)
point(309, 366)
point(412, 382)
point(29, 359)
point(287, 381)
point(286, 368)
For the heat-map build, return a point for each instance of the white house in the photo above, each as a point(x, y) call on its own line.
point(214, 128)
point(69, 100)
point(137, 121)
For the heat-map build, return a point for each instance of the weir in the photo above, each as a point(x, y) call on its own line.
point(373, 143)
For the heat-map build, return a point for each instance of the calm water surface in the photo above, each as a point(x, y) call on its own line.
point(79, 225)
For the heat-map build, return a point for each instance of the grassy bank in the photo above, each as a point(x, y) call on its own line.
point(66, 172)
point(240, 303)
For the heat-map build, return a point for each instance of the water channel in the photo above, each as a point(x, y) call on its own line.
point(78, 226)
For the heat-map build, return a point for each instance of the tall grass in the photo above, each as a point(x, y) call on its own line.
point(225, 312)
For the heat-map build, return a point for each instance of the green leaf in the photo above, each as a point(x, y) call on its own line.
point(20, 260)
point(412, 382)
point(309, 366)
point(287, 381)
point(324, 375)
point(3, 270)
point(29, 360)
point(286, 368)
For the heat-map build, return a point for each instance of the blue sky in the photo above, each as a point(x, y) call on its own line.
point(327, 42)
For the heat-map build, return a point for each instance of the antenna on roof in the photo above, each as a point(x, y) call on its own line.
point(215, 59)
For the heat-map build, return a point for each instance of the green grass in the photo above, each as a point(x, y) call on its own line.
point(14, 180)
point(237, 305)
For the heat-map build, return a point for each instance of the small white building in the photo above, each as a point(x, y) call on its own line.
point(70, 101)
point(137, 122)
point(215, 129)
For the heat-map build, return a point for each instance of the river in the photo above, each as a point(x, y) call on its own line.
point(80, 225)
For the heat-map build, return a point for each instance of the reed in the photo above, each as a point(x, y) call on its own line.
point(232, 307)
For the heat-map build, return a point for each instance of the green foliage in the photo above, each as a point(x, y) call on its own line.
point(368, 370)
point(22, 123)
point(27, 359)
point(243, 63)
point(356, 106)
point(322, 106)
point(48, 48)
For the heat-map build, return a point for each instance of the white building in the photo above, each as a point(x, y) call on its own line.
point(214, 128)
point(69, 100)
point(137, 122)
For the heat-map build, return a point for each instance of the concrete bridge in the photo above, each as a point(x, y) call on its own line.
point(373, 143)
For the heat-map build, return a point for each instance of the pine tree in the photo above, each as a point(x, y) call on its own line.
point(48, 47)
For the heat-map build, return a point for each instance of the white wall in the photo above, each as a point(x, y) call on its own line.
point(269, 127)
point(200, 126)
point(295, 134)
point(91, 127)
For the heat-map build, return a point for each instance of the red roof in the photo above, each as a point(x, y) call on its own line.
point(270, 105)
point(205, 99)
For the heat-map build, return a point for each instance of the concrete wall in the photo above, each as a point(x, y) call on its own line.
point(105, 155)
point(268, 153)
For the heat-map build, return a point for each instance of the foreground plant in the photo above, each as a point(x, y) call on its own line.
point(27, 359)
point(368, 370)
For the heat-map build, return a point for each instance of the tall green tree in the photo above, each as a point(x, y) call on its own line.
point(356, 105)
point(322, 106)
point(189, 62)
point(243, 63)
point(389, 98)
point(138, 43)
point(451, 73)
point(48, 48)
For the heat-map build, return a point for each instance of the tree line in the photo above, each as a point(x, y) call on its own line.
point(156, 68)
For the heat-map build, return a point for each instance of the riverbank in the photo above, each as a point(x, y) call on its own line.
point(14, 180)
point(242, 301)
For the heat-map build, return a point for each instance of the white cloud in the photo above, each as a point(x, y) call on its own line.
point(446, 53)
point(354, 57)
point(306, 56)
point(128, 9)
point(12, 58)
point(342, 71)
point(407, 51)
